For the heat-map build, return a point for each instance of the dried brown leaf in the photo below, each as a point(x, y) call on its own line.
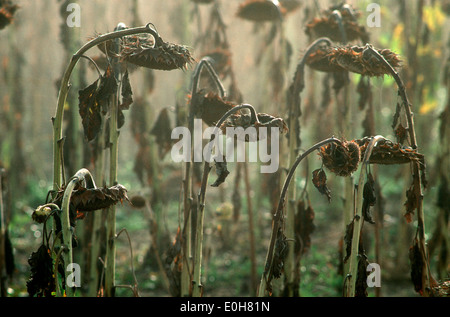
point(320, 182)
point(89, 110)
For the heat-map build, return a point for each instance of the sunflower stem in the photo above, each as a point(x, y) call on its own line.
point(417, 178)
point(278, 216)
point(82, 175)
point(198, 243)
point(358, 219)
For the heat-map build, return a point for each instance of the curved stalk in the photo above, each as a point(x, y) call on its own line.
point(187, 182)
point(417, 178)
point(58, 118)
point(82, 175)
point(197, 287)
point(278, 216)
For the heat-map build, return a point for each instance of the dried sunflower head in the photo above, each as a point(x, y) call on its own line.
point(211, 107)
point(245, 121)
point(260, 10)
point(150, 51)
point(319, 60)
point(328, 26)
point(7, 10)
point(342, 159)
point(360, 60)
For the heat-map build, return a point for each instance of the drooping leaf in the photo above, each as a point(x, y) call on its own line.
point(162, 131)
point(127, 94)
point(411, 203)
point(369, 198)
point(221, 171)
point(320, 182)
point(127, 100)
point(280, 253)
point(41, 281)
point(304, 227)
point(362, 274)
point(401, 133)
point(89, 110)
point(348, 240)
point(107, 88)
point(416, 262)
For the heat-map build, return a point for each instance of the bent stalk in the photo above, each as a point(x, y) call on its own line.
point(278, 216)
point(82, 175)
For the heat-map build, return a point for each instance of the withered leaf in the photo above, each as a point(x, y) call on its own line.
point(162, 131)
point(416, 261)
point(410, 204)
point(304, 227)
point(127, 94)
point(348, 240)
point(369, 198)
point(221, 171)
point(401, 133)
point(89, 110)
point(107, 88)
point(320, 182)
point(41, 282)
point(280, 253)
point(361, 278)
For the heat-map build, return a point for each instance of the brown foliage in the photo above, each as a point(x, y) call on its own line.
point(320, 182)
point(304, 227)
